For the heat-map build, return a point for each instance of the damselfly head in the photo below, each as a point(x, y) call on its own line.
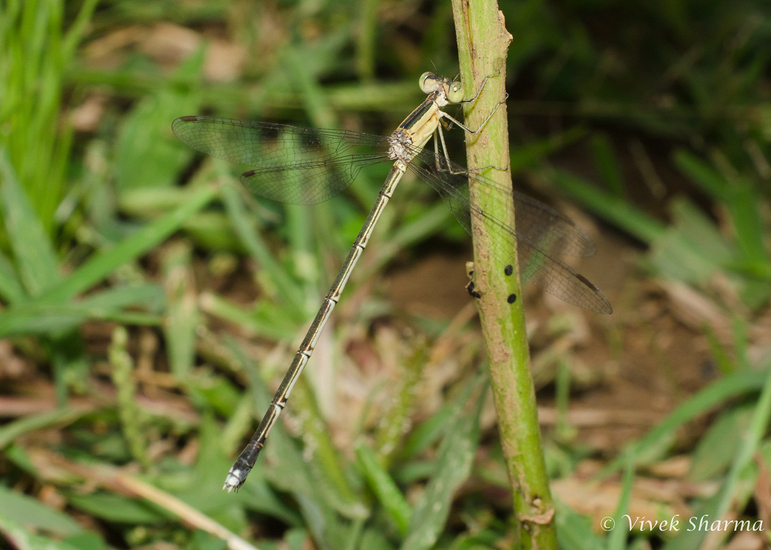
point(429, 82)
point(452, 89)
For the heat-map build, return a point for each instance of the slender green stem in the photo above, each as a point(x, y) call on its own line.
point(482, 45)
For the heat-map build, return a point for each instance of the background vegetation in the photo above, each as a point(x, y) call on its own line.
point(149, 303)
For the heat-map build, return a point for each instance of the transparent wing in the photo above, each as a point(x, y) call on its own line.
point(540, 223)
point(289, 164)
point(540, 232)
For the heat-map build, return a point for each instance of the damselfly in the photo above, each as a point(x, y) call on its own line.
point(308, 166)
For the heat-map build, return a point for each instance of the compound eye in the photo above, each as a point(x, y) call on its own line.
point(455, 93)
point(428, 82)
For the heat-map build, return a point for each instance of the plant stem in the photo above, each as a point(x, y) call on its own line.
point(482, 45)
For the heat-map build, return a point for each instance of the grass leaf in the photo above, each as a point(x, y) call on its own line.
point(33, 251)
point(453, 465)
point(385, 489)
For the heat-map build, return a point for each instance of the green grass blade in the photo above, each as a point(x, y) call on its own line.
point(607, 164)
point(749, 446)
point(745, 207)
point(716, 449)
point(11, 289)
point(267, 321)
point(527, 154)
point(22, 508)
point(617, 538)
point(733, 491)
point(13, 430)
point(374, 539)
point(428, 432)
point(144, 240)
point(46, 319)
point(244, 227)
point(119, 509)
point(183, 315)
point(19, 536)
point(702, 174)
point(397, 418)
point(691, 249)
point(146, 155)
point(713, 395)
point(33, 318)
point(146, 295)
point(386, 491)
point(742, 200)
point(452, 468)
point(77, 29)
point(33, 251)
point(613, 209)
point(574, 531)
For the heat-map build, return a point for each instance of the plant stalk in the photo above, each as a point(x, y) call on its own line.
point(482, 45)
